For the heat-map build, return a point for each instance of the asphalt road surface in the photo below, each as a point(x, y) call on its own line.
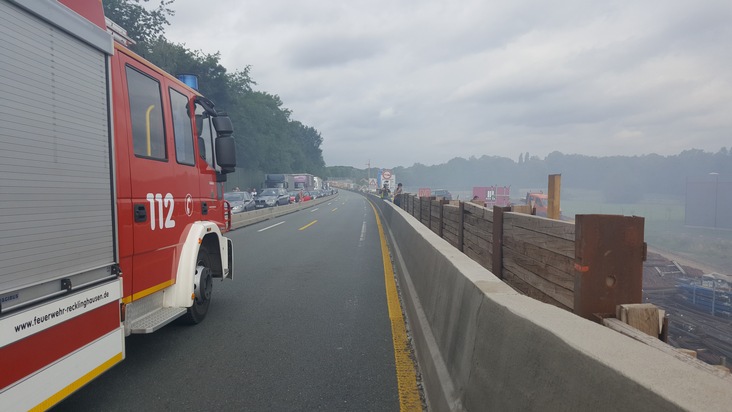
point(304, 326)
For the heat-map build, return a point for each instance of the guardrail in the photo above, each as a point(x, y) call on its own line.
point(483, 346)
point(587, 267)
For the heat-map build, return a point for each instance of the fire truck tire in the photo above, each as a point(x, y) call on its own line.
point(203, 288)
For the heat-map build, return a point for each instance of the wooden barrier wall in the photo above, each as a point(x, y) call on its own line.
point(536, 256)
point(478, 234)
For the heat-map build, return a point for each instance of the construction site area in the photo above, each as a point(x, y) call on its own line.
point(697, 304)
point(686, 274)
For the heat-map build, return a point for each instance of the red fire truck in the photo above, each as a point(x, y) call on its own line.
point(111, 199)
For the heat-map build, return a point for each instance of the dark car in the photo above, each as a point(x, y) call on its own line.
point(239, 201)
point(442, 193)
point(271, 197)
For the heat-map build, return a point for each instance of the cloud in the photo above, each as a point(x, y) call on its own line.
point(330, 50)
point(387, 113)
point(426, 81)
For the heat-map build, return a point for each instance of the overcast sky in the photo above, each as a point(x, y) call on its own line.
point(398, 82)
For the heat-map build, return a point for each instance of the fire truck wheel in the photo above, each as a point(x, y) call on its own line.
point(203, 286)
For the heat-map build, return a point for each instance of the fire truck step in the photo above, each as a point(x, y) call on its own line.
point(156, 320)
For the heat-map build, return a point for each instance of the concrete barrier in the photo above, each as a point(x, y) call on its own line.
point(255, 216)
point(483, 347)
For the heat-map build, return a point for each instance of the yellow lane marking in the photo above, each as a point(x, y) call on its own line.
point(406, 373)
point(308, 225)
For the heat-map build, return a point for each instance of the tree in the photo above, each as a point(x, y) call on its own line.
point(143, 25)
point(214, 81)
point(268, 140)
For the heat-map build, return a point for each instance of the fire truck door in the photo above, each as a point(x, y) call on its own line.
point(209, 189)
point(163, 175)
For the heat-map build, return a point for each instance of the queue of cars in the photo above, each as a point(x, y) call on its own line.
point(310, 194)
point(271, 197)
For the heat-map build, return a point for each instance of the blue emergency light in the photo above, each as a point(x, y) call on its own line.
point(191, 80)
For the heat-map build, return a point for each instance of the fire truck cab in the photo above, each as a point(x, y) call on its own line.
point(168, 192)
point(538, 202)
point(113, 215)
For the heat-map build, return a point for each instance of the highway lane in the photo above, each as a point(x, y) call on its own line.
point(303, 326)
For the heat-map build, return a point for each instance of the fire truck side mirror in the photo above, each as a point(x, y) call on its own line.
point(223, 126)
point(225, 145)
point(226, 153)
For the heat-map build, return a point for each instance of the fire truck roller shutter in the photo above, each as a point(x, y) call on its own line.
point(204, 256)
point(58, 213)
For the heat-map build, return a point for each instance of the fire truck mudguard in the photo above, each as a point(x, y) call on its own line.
point(204, 255)
point(196, 268)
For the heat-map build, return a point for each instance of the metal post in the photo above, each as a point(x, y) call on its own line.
point(497, 252)
point(716, 197)
point(553, 198)
point(442, 216)
point(609, 255)
point(461, 224)
point(368, 181)
point(420, 210)
point(429, 214)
